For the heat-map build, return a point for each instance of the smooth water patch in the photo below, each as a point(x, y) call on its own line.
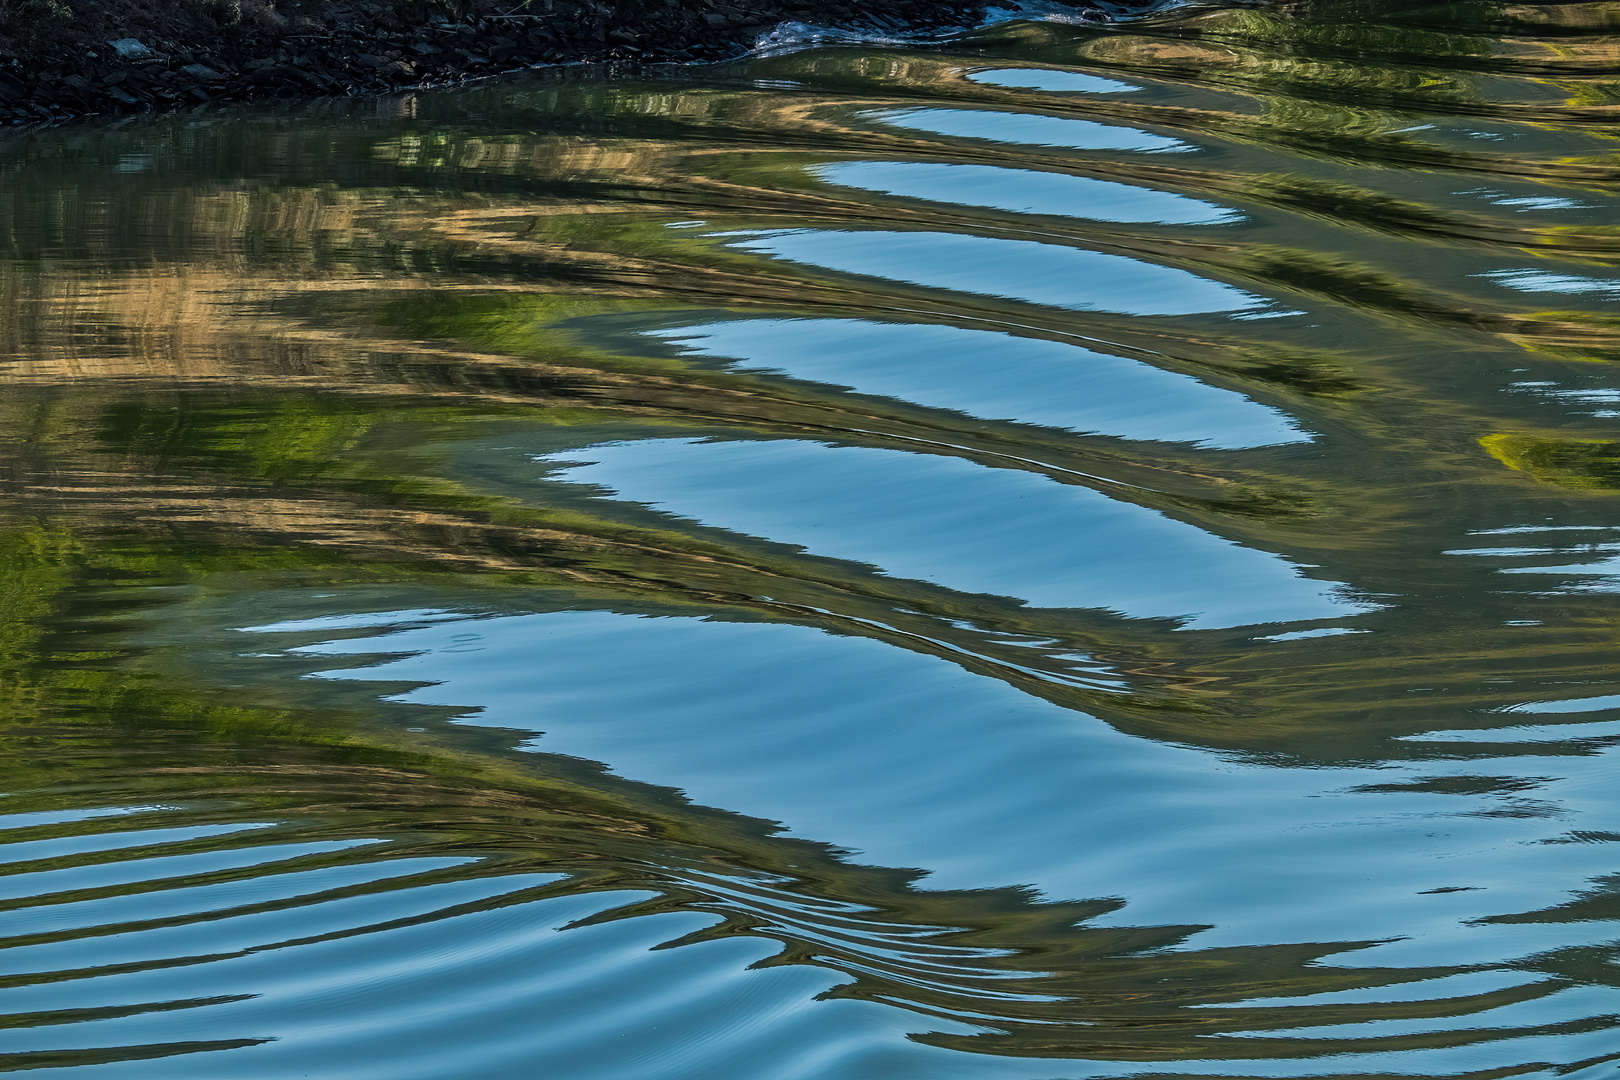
point(1024, 191)
point(1037, 273)
point(56, 847)
point(1570, 705)
point(745, 715)
point(1027, 129)
point(1533, 280)
point(1566, 733)
point(1051, 81)
point(999, 531)
point(996, 376)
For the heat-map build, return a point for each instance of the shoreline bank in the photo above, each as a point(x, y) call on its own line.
point(69, 59)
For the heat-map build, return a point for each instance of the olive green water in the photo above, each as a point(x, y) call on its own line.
point(1072, 551)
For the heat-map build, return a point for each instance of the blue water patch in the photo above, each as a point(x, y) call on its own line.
point(993, 375)
point(1051, 81)
point(964, 526)
point(1037, 273)
point(1027, 129)
point(1024, 191)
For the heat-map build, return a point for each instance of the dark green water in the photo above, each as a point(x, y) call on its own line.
point(1075, 552)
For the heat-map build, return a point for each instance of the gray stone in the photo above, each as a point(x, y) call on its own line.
point(130, 49)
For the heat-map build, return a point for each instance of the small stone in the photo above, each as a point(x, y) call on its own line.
point(130, 49)
point(201, 71)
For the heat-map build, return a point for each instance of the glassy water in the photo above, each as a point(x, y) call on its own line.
point(1075, 552)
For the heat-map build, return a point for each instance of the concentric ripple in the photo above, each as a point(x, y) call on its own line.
point(1079, 550)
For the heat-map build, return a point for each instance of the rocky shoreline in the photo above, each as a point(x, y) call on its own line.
point(66, 59)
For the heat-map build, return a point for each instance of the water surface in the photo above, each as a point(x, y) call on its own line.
point(1071, 551)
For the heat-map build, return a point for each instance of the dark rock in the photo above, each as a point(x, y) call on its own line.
point(135, 53)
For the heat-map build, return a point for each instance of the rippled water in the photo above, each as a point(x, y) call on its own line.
point(1074, 551)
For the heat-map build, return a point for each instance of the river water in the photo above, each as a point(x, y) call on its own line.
point(1066, 551)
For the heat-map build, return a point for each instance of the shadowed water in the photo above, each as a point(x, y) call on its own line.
point(1071, 551)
